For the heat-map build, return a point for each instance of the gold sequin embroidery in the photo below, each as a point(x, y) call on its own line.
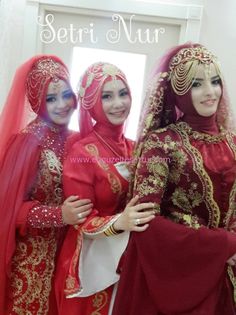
point(113, 179)
point(99, 301)
point(198, 167)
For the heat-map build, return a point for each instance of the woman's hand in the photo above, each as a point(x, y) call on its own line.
point(232, 260)
point(75, 210)
point(232, 226)
point(135, 217)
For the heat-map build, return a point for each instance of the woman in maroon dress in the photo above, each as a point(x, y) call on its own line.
point(32, 213)
point(95, 168)
point(184, 262)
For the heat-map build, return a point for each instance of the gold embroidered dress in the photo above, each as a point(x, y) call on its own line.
point(186, 165)
point(32, 146)
point(39, 223)
point(189, 186)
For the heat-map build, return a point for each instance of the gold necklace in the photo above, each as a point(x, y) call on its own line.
point(109, 147)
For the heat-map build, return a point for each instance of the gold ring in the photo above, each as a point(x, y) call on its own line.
point(137, 222)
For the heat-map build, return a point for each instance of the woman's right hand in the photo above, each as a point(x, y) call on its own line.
point(232, 260)
point(75, 210)
point(135, 217)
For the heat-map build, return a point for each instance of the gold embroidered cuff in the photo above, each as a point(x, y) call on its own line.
point(111, 231)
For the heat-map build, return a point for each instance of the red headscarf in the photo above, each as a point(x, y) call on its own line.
point(91, 109)
point(27, 96)
point(169, 97)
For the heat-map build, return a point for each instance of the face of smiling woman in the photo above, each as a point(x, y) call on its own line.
point(206, 90)
point(60, 102)
point(116, 101)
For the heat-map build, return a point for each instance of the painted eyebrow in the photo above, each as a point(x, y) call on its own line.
point(215, 77)
point(212, 78)
point(49, 95)
point(63, 92)
point(66, 91)
point(121, 90)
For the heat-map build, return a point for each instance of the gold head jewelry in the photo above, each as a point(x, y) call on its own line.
point(183, 67)
point(44, 70)
point(97, 74)
point(48, 68)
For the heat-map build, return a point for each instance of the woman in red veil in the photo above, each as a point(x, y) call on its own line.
point(33, 217)
point(95, 168)
point(184, 263)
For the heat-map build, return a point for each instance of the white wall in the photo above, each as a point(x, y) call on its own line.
point(11, 42)
point(218, 33)
point(20, 38)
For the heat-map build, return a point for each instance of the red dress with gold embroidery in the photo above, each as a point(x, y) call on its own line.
point(182, 268)
point(90, 172)
point(38, 221)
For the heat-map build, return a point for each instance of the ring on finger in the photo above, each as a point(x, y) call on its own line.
point(137, 221)
point(79, 215)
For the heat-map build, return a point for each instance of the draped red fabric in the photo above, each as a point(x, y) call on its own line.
point(176, 270)
point(13, 117)
point(16, 172)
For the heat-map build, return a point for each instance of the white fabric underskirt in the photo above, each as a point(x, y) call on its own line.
point(99, 261)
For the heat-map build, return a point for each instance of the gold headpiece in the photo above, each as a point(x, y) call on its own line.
point(96, 74)
point(183, 67)
point(52, 69)
point(44, 70)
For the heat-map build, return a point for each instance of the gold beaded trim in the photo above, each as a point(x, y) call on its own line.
point(183, 67)
point(43, 70)
point(203, 136)
point(98, 72)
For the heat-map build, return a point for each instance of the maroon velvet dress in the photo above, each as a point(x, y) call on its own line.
point(178, 266)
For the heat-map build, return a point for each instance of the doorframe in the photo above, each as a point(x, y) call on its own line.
point(187, 17)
